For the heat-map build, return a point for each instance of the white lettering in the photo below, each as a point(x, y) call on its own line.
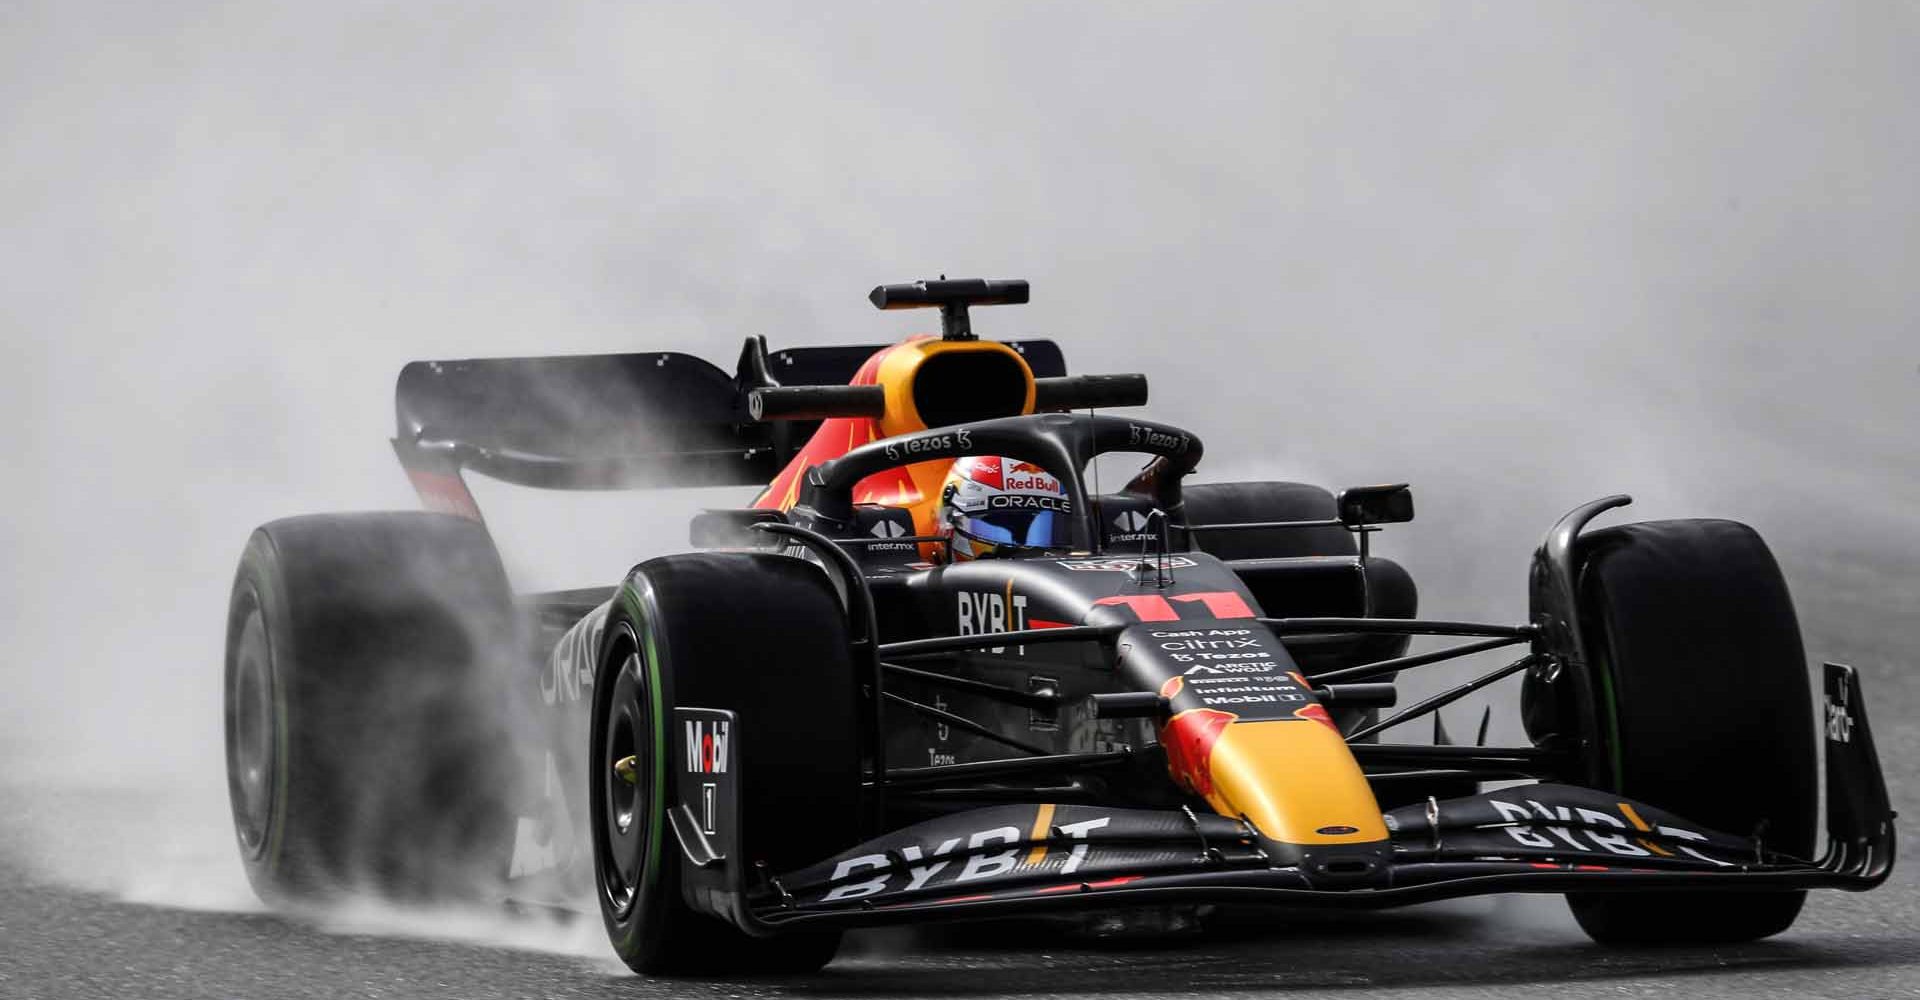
point(984, 614)
point(707, 746)
point(1079, 831)
point(1519, 815)
point(1612, 842)
point(988, 865)
point(922, 873)
point(1839, 723)
point(1563, 815)
point(857, 889)
point(1674, 831)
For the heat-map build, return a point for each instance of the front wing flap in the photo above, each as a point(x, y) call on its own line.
point(1013, 859)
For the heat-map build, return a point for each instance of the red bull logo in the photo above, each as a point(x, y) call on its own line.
point(1189, 738)
point(1317, 713)
point(1025, 476)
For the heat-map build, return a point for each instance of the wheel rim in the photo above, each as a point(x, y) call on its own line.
point(623, 811)
point(251, 764)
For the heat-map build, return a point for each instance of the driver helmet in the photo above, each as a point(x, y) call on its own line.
point(993, 506)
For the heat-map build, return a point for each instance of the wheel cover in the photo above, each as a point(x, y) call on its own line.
point(252, 767)
point(623, 814)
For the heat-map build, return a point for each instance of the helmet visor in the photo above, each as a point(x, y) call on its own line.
point(1035, 529)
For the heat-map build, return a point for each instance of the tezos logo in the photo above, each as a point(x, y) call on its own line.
point(1155, 438)
point(707, 746)
point(930, 445)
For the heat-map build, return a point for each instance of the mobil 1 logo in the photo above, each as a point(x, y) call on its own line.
point(706, 741)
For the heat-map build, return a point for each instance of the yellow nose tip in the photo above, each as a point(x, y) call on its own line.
point(1297, 782)
point(625, 768)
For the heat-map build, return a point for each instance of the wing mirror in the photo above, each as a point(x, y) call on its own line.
point(1362, 505)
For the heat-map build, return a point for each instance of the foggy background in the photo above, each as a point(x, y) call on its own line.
point(1517, 255)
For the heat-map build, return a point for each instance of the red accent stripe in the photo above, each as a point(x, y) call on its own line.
point(1220, 603)
point(1110, 883)
point(1146, 607)
point(444, 493)
point(1043, 623)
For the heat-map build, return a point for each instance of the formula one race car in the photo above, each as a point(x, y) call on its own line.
point(932, 674)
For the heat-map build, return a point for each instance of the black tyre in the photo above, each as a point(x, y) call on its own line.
point(760, 635)
point(1705, 710)
point(1241, 503)
point(364, 709)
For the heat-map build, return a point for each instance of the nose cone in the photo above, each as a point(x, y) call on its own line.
point(1293, 779)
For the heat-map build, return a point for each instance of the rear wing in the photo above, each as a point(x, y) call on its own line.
point(615, 421)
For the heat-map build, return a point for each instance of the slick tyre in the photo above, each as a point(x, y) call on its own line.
point(364, 707)
point(762, 636)
point(1705, 710)
point(1240, 503)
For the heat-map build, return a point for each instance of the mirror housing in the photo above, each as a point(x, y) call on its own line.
point(1362, 505)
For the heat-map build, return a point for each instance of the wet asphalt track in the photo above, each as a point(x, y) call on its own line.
point(60, 941)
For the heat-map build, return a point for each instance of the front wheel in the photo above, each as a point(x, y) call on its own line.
point(763, 637)
point(1704, 710)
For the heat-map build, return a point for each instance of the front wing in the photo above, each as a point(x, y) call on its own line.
point(1017, 859)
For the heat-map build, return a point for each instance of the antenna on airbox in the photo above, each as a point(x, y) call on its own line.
point(952, 296)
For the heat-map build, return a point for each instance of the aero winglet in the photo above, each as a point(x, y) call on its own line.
point(1859, 817)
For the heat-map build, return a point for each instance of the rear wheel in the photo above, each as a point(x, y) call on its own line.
point(762, 636)
point(364, 707)
point(1705, 710)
